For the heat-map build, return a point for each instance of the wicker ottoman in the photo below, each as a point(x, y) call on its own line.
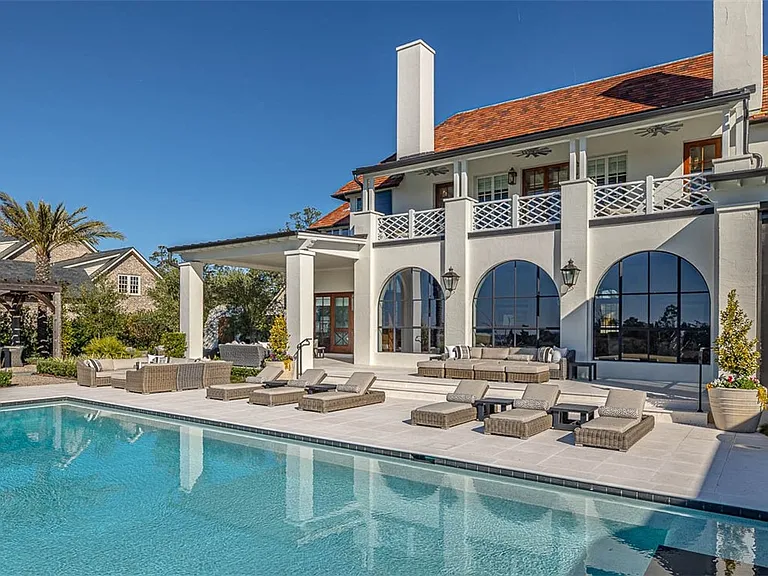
point(492, 371)
point(527, 373)
point(431, 368)
point(460, 369)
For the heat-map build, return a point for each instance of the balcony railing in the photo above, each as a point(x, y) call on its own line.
point(517, 212)
point(412, 224)
point(651, 196)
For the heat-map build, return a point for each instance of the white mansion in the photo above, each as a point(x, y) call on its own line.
point(652, 183)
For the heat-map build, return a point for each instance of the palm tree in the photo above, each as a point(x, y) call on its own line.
point(48, 228)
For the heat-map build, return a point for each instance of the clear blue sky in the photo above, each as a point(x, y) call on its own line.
point(182, 122)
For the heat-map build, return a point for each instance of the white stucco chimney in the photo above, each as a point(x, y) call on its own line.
point(738, 47)
point(415, 99)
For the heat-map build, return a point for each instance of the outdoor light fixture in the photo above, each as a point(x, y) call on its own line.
point(570, 274)
point(512, 177)
point(450, 280)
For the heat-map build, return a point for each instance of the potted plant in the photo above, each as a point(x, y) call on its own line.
point(278, 345)
point(736, 397)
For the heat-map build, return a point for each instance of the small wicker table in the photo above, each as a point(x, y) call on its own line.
point(487, 406)
point(561, 420)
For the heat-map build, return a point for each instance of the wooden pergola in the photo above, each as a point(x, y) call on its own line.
point(13, 296)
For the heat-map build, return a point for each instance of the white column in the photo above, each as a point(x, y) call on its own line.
point(726, 135)
point(572, 159)
point(366, 293)
point(576, 199)
point(456, 178)
point(299, 483)
point(190, 456)
point(458, 309)
point(582, 158)
point(464, 178)
point(415, 311)
point(300, 302)
point(191, 306)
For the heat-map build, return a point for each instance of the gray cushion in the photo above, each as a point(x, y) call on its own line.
point(531, 404)
point(333, 395)
point(476, 352)
point(461, 398)
point(529, 368)
point(466, 364)
point(619, 425)
point(476, 388)
point(547, 392)
point(490, 366)
point(632, 399)
point(295, 384)
point(518, 414)
point(520, 357)
point(619, 412)
point(495, 353)
point(312, 376)
point(358, 383)
point(443, 407)
point(431, 364)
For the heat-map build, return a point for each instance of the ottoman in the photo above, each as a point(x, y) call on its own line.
point(493, 371)
point(527, 373)
point(431, 368)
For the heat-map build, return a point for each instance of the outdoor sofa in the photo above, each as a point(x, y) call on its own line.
point(99, 372)
point(152, 378)
point(516, 364)
point(620, 424)
point(353, 393)
point(290, 393)
point(173, 377)
point(457, 409)
point(250, 355)
point(243, 390)
point(529, 415)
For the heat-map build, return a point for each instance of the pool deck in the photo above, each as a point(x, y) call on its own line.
point(678, 460)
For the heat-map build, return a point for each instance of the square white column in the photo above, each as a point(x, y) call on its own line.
point(365, 305)
point(300, 303)
point(458, 306)
point(191, 306)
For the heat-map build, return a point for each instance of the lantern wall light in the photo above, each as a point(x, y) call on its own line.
point(570, 274)
point(512, 177)
point(450, 281)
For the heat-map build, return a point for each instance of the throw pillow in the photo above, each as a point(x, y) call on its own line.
point(556, 356)
point(450, 352)
point(463, 398)
point(544, 354)
point(296, 384)
point(521, 358)
point(462, 352)
point(348, 388)
point(619, 412)
point(531, 404)
point(96, 365)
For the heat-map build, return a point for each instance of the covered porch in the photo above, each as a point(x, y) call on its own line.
point(319, 274)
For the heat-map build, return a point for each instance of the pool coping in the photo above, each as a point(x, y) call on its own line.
point(640, 495)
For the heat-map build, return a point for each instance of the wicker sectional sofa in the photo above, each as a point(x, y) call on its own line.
point(179, 374)
point(515, 364)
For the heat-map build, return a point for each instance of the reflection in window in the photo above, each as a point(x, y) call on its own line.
point(651, 307)
point(411, 313)
point(517, 304)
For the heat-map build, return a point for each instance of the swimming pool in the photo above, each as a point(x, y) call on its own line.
point(90, 491)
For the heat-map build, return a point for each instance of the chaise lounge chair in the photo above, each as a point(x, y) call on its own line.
point(291, 393)
point(529, 416)
point(352, 394)
point(620, 424)
point(457, 409)
point(243, 390)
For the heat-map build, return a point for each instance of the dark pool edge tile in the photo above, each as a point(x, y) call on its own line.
point(626, 493)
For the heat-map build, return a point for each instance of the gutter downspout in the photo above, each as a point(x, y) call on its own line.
point(745, 111)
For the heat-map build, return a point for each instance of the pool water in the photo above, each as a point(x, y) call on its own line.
point(88, 491)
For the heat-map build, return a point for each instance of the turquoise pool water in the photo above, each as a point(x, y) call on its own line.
point(87, 491)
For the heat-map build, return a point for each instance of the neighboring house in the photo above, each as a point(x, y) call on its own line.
point(651, 182)
point(80, 264)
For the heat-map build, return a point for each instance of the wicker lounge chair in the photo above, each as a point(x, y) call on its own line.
point(620, 425)
point(243, 390)
point(152, 378)
point(291, 393)
point(525, 422)
point(353, 393)
point(457, 409)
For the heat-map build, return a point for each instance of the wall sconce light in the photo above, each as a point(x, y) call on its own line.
point(512, 177)
point(570, 274)
point(450, 280)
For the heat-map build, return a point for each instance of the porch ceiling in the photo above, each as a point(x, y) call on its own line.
point(267, 252)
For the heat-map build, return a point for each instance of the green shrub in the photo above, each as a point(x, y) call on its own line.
point(240, 373)
point(5, 378)
point(107, 347)
point(57, 367)
point(174, 344)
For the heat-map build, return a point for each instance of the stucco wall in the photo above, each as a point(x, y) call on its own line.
point(63, 253)
point(133, 266)
point(336, 280)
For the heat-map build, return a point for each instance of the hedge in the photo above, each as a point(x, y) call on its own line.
point(5, 378)
point(56, 367)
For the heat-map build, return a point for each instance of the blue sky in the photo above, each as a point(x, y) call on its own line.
point(181, 122)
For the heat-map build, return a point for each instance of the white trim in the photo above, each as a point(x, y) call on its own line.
point(123, 257)
point(129, 284)
point(492, 176)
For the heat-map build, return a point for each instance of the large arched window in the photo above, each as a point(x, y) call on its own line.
point(411, 313)
point(517, 304)
point(651, 307)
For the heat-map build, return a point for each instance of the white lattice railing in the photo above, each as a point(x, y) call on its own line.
point(412, 224)
point(517, 211)
point(651, 195)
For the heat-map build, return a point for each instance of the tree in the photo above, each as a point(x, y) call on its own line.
point(48, 228)
point(97, 312)
point(736, 353)
point(302, 220)
point(165, 293)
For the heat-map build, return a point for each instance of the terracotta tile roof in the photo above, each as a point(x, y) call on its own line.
point(334, 218)
point(381, 182)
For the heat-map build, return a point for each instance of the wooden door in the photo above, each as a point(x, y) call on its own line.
point(443, 191)
point(698, 156)
point(334, 321)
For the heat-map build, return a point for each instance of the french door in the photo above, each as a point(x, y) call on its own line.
point(334, 322)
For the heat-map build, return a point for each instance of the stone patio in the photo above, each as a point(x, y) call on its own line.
point(675, 459)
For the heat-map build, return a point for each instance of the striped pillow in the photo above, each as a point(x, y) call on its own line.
point(462, 352)
point(93, 363)
point(545, 354)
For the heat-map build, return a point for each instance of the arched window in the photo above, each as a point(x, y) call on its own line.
point(517, 304)
point(651, 307)
point(411, 313)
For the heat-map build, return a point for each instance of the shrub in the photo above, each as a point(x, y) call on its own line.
point(174, 344)
point(240, 373)
point(57, 367)
point(144, 329)
point(5, 378)
point(107, 347)
point(278, 339)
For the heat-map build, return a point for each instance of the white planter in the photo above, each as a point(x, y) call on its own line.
point(735, 409)
point(279, 364)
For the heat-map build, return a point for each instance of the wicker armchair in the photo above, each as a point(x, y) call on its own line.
point(152, 378)
point(250, 355)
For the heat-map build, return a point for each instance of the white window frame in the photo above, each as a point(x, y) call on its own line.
point(125, 284)
point(494, 194)
point(605, 159)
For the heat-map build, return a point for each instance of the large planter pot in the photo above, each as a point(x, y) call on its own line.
point(279, 364)
point(735, 409)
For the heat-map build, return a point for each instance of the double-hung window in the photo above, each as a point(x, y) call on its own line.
point(129, 284)
point(608, 169)
point(493, 187)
